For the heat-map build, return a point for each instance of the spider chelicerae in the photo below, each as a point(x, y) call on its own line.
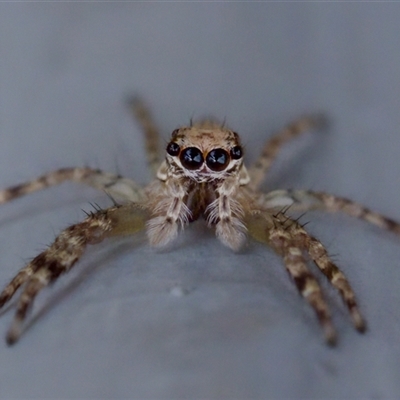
point(202, 175)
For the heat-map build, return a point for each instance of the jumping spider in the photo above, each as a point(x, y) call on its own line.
point(202, 175)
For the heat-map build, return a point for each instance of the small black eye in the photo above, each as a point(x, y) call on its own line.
point(191, 158)
point(217, 159)
point(236, 152)
point(173, 149)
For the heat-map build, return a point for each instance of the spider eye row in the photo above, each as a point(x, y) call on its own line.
point(192, 157)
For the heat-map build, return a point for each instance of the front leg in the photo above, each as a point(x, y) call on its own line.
point(308, 200)
point(64, 252)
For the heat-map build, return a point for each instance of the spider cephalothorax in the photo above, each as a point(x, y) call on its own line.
point(202, 175)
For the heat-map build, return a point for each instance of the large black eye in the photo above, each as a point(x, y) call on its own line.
point(191, 158)
point(236, 152)
point(173, 149)
point(217, 159)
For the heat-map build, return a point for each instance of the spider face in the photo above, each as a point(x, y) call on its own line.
point(204, 153)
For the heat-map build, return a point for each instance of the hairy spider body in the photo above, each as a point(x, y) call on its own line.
point(202, 175)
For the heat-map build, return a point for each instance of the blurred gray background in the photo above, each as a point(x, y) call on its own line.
point(198, 321)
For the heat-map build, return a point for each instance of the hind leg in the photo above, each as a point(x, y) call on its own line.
point(150, 130)
point(272, 147)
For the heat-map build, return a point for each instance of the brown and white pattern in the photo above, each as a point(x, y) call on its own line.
point(202, 175)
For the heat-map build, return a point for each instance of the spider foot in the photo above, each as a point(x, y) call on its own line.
point(330, 334)
point(161, 231)
point(14, 332)
point(358, 320)
point(231, 233)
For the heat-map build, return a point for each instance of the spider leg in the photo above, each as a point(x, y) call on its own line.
point(270, 230)
point(115, 185)
point(260, 168)
point(150, 130)
point(305, 200)
point(64, 252)
point(337, 279)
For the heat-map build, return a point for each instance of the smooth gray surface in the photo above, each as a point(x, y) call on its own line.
point(198, 321)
